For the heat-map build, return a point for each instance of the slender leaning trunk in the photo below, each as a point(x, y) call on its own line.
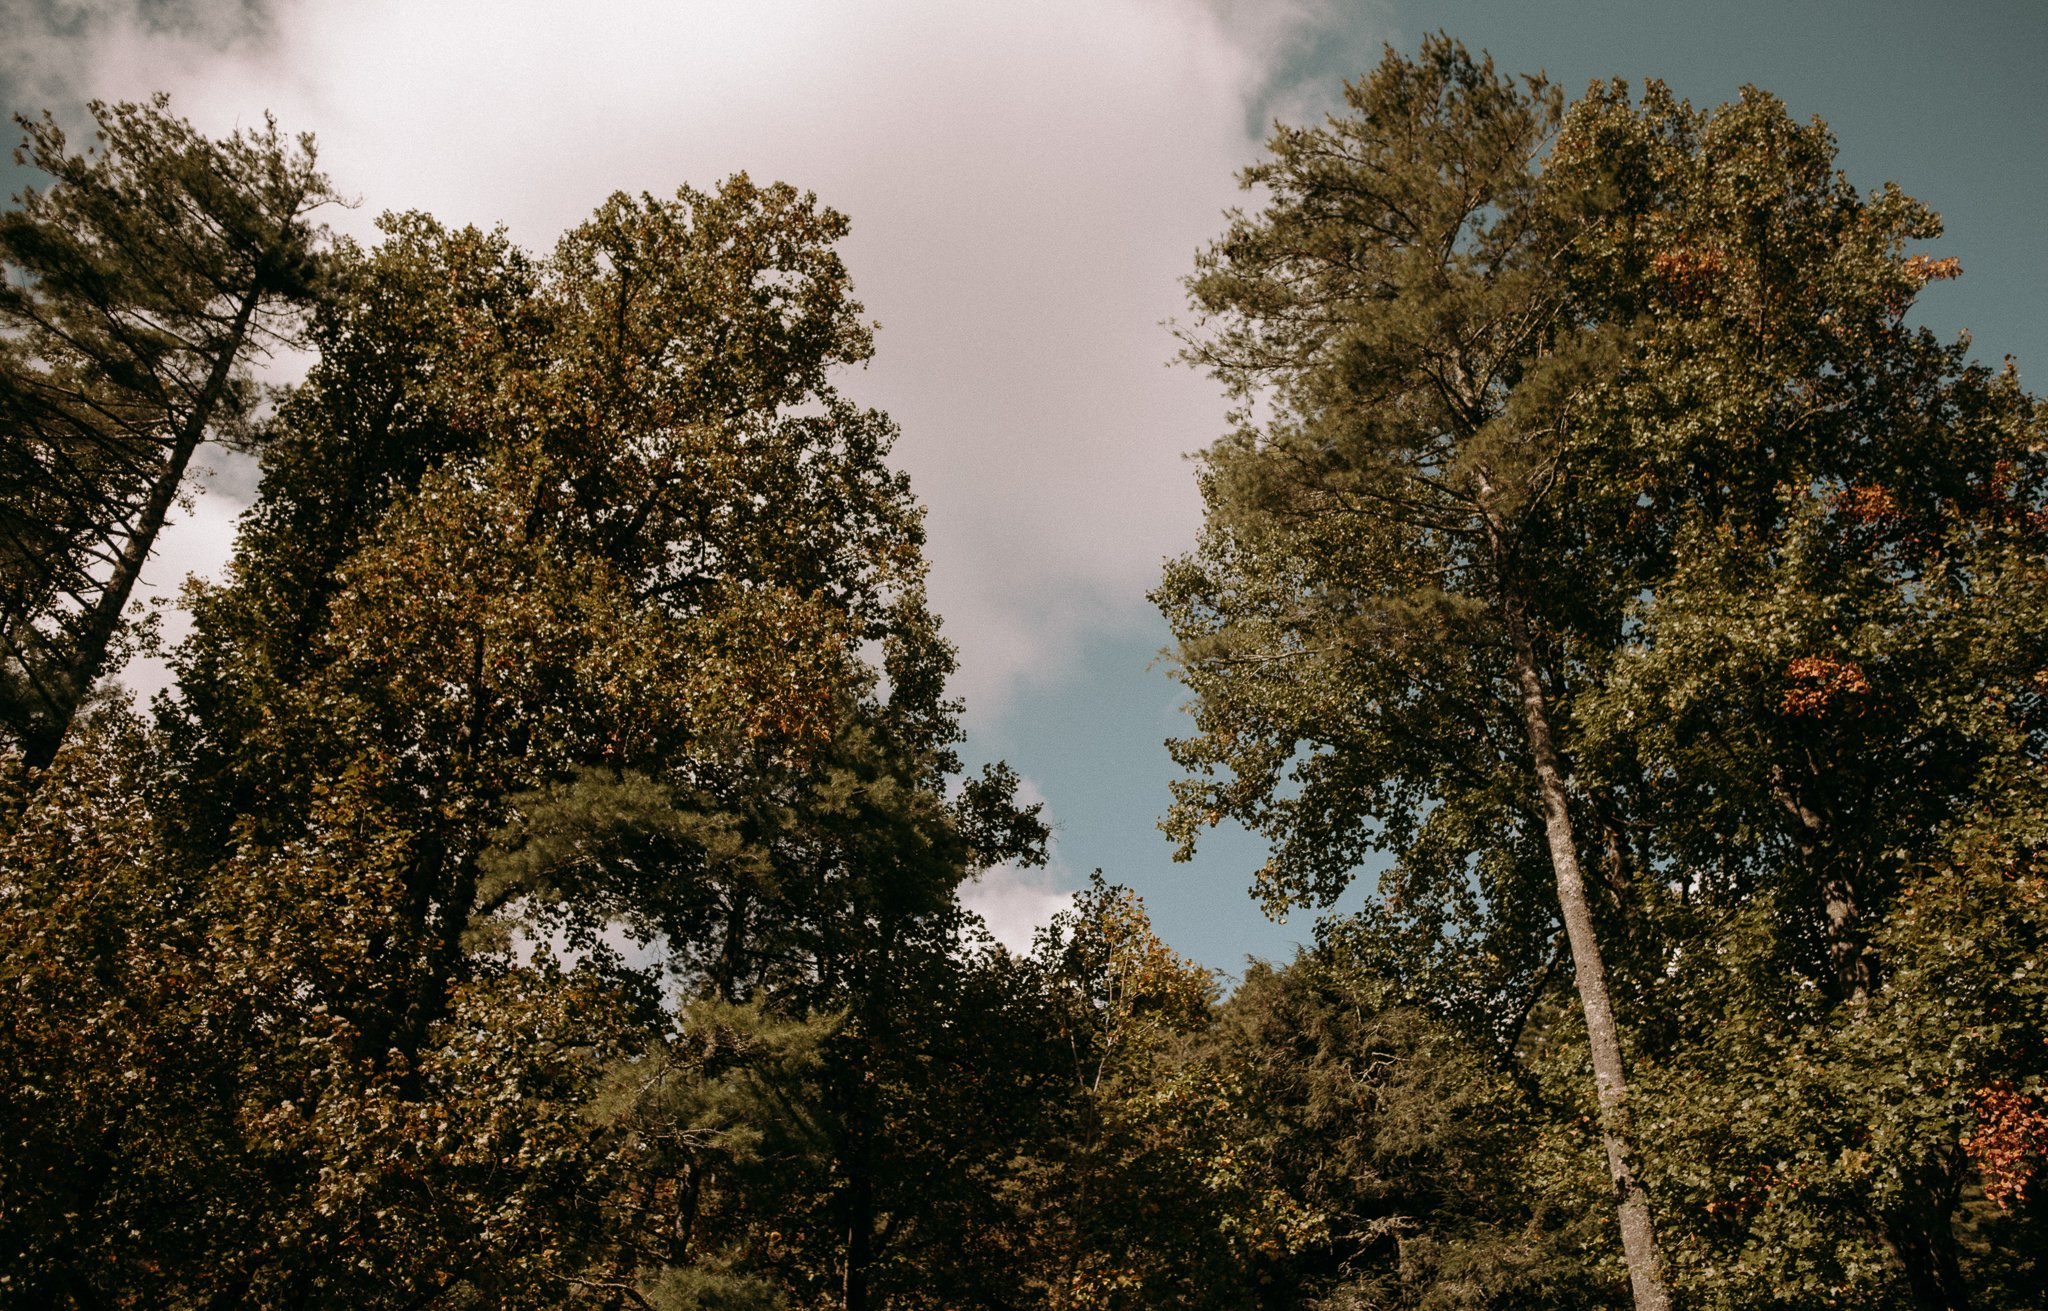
point(100, 622)
point(1610, 1081)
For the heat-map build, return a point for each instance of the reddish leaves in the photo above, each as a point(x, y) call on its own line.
point(1870, 506)
point(1924, 270)
point(1689, 275)
point(1817, 683)
point(2011, 1141)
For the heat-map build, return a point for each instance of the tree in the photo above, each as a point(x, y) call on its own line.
point(1423, 1159)
point(1825, 695)
point(1141, 1192)
point(136, 288)
point(1630, 450)
point(1387, 575)
point(549, 634)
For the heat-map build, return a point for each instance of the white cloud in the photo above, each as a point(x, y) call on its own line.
point(1027, 183)
point(201, 534)
point(54, 52)
point(1016, 901)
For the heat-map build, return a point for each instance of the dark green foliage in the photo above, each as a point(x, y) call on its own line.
point(1638, 379)
point(1412, 1146)
point(541, 649)
point(542, 890)
point(136, 286)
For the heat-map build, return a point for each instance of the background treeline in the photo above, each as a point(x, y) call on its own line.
point(541, 889)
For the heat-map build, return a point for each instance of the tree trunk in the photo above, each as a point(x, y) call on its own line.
point(1638, 1238)
point(102, 620)
point(867, 977)
point(860, 1226)
point(1925, 1248)
point(1852, 968)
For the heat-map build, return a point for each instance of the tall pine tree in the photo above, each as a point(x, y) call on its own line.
point(137, 285)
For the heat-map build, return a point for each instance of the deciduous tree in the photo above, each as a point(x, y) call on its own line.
point(1626, 446)
point(1393, 599)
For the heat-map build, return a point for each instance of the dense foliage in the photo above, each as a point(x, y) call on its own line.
point(1595, 512)
point(541, 889)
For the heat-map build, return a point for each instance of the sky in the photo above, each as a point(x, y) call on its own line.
point(1028, 185)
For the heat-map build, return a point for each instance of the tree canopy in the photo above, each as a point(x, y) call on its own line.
point(1594, 518)
point(541, 888)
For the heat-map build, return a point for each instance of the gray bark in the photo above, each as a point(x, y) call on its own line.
point(1610, 1081)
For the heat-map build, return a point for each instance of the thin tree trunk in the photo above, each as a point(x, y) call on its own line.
point(1851, 965)
point(859, 1197)
point(1924, 1245)
point(860, 1224)
point(1638, 1237)
point(868, 976)
point(103, 619)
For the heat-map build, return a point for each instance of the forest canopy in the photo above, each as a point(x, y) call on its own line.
point(541, 887)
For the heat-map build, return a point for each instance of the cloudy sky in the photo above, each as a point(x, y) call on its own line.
point(1027, 183)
